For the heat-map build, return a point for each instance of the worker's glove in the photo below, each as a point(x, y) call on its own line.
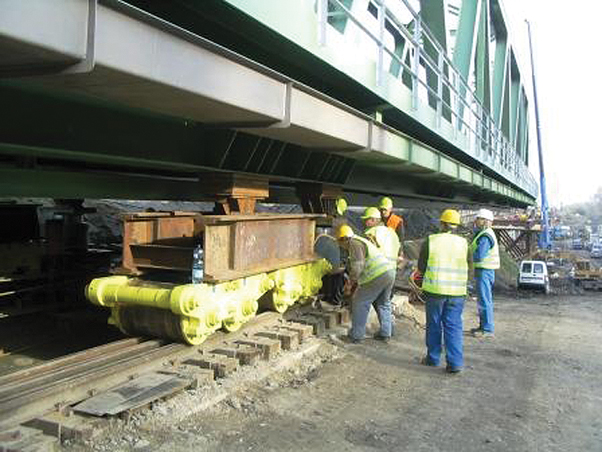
point(416, 276)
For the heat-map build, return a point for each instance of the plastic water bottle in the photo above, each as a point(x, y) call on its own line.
point(197, 265)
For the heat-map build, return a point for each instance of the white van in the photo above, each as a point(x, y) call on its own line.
point(534, 274)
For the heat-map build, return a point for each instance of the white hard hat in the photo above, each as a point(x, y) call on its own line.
point(486, 214)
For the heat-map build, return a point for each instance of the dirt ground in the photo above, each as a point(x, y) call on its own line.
point(535, 387)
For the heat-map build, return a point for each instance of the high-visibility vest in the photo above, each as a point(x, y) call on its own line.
point(376, 262)
point(394, 221)
point(492, 258)
point(447, 266)
point(386, 239)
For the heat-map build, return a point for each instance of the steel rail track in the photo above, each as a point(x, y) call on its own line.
point(64, 381)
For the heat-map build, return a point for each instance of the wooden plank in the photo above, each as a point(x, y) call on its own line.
point(234, 185)
point(197, 375)
point(72, 428)
point(269, 347)
point(133, 394)
point(318, 324)
point(26, 439)
point(221, 365)
point(331, 318)
point(288, 339)
point(304, 332)
point(246, 354)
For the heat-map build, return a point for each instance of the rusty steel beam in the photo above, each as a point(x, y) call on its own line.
point(234, 246)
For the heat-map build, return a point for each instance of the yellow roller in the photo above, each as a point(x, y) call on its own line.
point(191, 312)
point(297, 283)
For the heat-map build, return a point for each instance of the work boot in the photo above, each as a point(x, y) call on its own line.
point(425, 361)
point(380, 337)
point(481, 334)
point(452, 370)
point(349, 340)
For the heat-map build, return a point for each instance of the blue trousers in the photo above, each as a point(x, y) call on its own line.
point(484, 282)
point(377, 292)
point(444, 321)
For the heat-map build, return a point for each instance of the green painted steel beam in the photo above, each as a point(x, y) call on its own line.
point(23, 182)
point(500, 65)
point(514, 105)
point(107, 140)
point(432, 13)
point(505, 122)
point(339, 51)
point(466, 36)
point(499, 79)
point(482, 71)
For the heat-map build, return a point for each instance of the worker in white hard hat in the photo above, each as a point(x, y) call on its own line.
point(486, 260)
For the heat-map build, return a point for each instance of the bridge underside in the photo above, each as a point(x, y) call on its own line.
point(120, 104)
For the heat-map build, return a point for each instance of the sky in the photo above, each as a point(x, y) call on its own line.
point(566, 47)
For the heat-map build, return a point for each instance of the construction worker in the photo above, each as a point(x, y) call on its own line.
point(333, 284)
point(390, 220)
point(371, 278)
point(486, 259)
point(385, 239)
point(443, 265)
point(382, 236)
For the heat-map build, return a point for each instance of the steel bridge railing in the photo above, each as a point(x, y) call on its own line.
point(455, 101)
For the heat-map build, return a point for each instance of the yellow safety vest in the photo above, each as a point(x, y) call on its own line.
point(492, 258)
point(447, 267)
point(386, 239)
point(376, 262)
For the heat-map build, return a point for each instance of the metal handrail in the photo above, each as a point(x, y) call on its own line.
point(466, 111)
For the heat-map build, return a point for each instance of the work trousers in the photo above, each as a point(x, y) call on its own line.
point(444, 321)
point(484, 282)
point(377, 292)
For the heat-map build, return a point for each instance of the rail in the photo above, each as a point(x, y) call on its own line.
point(455, 101)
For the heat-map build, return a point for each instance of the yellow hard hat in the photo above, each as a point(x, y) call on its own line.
point(345, 231)
point(385, 203)
point(371, 212)
point(450, 216)
point(341, 204)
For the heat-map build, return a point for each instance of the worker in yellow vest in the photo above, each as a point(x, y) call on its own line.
point(386, 240)
point(382, 236)
point(486, 258)
point(371, 278)
point(443, 263)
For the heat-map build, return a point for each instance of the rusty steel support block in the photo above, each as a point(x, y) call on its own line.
point(318, 198)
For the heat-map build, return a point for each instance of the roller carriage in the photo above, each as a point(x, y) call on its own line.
point(185, 275)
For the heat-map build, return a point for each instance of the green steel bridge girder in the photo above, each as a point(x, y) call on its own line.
point(152, 127)
point(471, 56)
point(99, 150)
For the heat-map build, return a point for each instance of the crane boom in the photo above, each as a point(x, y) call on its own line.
point(544, 238)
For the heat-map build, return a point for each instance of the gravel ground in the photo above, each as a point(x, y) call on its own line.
point(535, 387)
